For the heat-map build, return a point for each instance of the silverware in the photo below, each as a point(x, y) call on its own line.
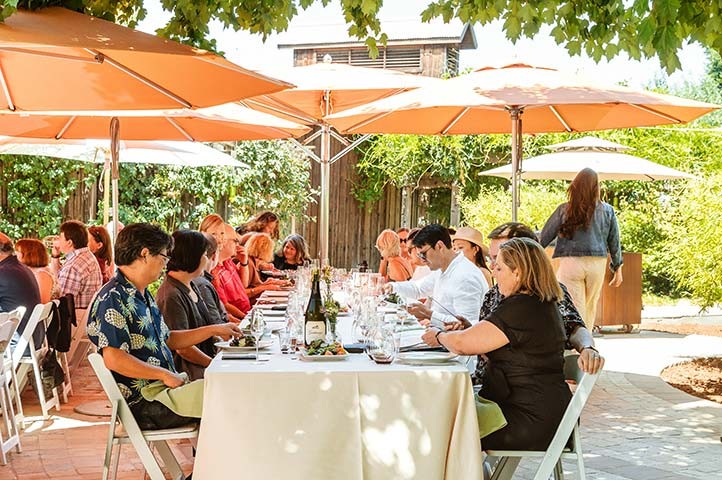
point(439, 304)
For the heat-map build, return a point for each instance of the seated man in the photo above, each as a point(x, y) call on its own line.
point(18, 288)
point(577, 335)
point(128, 329)
point(455, 285)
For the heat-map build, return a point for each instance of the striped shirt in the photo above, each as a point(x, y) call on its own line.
point(80, 275)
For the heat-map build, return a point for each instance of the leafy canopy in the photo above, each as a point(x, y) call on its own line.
point(602, 29)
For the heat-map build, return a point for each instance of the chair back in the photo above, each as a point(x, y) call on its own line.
point(40, 313)
point(121, 410)
point(8, 325)
point(585, 383)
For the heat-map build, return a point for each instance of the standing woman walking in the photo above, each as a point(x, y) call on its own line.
point(586, 229)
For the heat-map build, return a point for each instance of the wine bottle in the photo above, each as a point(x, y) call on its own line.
point(314, 327)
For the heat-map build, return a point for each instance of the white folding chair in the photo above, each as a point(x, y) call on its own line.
point(8, 325)
point(22, 364)
point(568, 427)
point(124, 429)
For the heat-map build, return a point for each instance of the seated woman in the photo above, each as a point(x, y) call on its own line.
point(33, 253)
point(260, 251)
point(181, 303)
point(470, 242)
point(393, 267)
point(264, 222)
point(99, 243)
point(524, 341)
point(292, 254)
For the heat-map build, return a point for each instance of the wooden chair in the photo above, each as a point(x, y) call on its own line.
point(568, 427)
point(8, 325)
point(124, 429)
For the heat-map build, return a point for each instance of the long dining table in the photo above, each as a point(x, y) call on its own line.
point(342, 419)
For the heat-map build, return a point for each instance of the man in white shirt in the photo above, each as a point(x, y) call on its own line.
point(455, 286)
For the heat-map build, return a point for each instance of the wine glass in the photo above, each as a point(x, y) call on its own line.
point(258, 327)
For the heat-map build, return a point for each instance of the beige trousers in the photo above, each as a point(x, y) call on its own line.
point(583, 277)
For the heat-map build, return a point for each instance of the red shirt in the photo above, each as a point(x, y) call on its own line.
point(229, 286)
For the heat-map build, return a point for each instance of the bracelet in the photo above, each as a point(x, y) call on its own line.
point(589, 346)
point(437, 336)
point(55, 256)
point(243, 264)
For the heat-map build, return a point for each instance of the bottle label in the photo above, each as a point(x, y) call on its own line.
point(315, 330)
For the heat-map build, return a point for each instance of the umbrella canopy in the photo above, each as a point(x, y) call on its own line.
point(589, 143)
point(609, 166)
point(182, 154)
point(325, 88)
point(494, 100)
point(221, 123)
point(103, 66)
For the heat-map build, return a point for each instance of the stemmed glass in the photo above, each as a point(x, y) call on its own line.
point(258, 327)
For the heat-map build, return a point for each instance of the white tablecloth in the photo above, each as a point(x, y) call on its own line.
point(353, 419)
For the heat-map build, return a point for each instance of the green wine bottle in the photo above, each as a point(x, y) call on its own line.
point(315, 317)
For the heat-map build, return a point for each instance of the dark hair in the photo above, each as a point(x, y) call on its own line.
point(412, 234)
point(6, 245)
point(299, 243)
point(212, 247)
point(189, 246)
point(34, 252)
point(101, 235)
point(583, 196)
point(76, 232)
point(137, 236)
point(431, 234)
point(512, 230)
point(259, 222)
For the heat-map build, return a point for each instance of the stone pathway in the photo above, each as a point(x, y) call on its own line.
point(635, 426)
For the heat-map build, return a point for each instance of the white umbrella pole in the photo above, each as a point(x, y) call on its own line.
point(323, 224)
point(114, 152)
point(515, 113)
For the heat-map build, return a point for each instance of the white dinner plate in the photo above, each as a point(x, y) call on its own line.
point(273, 313)
point(426, 358)
point(321, 358)
point(275, 293)
point(263, 344)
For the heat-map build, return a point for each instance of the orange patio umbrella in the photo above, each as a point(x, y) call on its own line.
point(494, 100)
point(56, 59)
point(325, 88)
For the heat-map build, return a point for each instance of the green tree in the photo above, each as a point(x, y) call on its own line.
point(640, 28)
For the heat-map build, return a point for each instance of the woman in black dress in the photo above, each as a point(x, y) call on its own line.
point(292, 254)
point(524, 341)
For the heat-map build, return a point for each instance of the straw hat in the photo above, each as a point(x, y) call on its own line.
point(471, 235)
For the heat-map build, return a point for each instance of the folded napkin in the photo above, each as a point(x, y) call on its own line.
point(489, 416)
point(186, 400)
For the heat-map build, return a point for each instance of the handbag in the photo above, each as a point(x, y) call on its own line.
point(52, 374)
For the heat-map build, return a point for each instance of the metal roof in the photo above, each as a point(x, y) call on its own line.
point(399, 32)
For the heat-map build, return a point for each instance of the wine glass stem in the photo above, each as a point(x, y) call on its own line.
point(256, 350)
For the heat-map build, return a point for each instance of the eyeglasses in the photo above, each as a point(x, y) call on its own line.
point(422, 254)
point(166, 257)
point(403, 240)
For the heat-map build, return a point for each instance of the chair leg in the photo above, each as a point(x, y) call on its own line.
point(505, 468)
point(581, 471)
point(169, 460)
point(148, 459)
point(559, 470)
point(115, 462)
point(39, 387)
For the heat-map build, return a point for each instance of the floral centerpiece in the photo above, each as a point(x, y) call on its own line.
point(332, 306)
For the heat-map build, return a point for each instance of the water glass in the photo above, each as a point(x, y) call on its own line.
point(382, 346)
point(284, 340)
point(258, 327)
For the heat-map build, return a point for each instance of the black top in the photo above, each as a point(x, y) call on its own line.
point(279, 261)
point(18, 288)
point(526, 376)
point(209, 294)
point(180, 312)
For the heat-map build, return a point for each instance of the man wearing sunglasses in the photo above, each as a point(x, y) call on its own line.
point(455, 286)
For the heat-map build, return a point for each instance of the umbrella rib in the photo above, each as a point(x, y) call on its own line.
point(455, 120)
point(655, 112)
point(180, 129)
point(60, 56)
point(6, 91)
point(291, 112)
point(146, 81)
point(65, 128)
point(560, 118)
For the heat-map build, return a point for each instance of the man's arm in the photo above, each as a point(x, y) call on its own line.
point(590, 361)
point(195, 355)
point(180, 339)
point(127, 365)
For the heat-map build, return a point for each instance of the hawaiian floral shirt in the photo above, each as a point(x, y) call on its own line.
point(123, 317)
point(492, 299)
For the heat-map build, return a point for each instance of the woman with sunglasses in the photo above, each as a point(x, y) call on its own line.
point(393, 267)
